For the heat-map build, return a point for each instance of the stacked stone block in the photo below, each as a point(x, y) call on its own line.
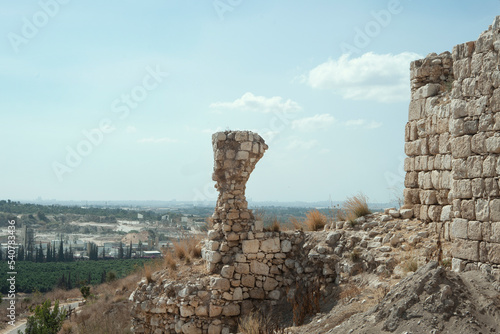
point(471, 109)
point(249, 267)
point(428, 166)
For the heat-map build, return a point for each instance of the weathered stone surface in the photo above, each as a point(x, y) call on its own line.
point(250, 246)
point(259, 268)
point(459, 228)
point(271, 245)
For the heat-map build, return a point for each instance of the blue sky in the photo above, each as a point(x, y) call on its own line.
point(117, 100)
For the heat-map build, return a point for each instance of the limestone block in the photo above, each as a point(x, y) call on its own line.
point(474, 230)
point(259, 226)
point(436, 179)
point(415, 111)
point(495, 210)
point(426, 91)
point(458, 108)
point(446, 162)
point(219, 283)
point(470, 127)
point(461, 68)
point(433, 144)
point(459, 169)
point(231, 310)
point(257, 293)
point(478, 143)
point(250, 246)
point(477, 107)
point(445, 213)
point(442, 197)
point(493, 253)
point(270, 284)
point(409, 164)
point(476, 64)
point(461, 147)
point(489, 166)
point(493, 144)
point(446, 179)
point(494, 233)
point(214, 328)
point(270, 245)
point(246, 146)
point(406, 213)
point(227, 271)
point(457, 127)
point(412, 148)
point(444, 143)
point(462, 188)
point(286, 246)
point(477, 187)
point(486, 122)
point(428, 197)
point(434, 212)
point(465, 249)
point(427, 184)
point(491, 187)
point(259, 268)
point(474, 166)
point(186, 310)
point(248, 281)
point(242, 268)
point(458, 228)
point(213, 256)
point(485, 42)
point(468, 209)
point(423, 213)
point(411, 196)
point(201, 311)
point(242, 155)
point(411, 180)
point(469, 87)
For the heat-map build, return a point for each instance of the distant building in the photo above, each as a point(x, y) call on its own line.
point(140, 216)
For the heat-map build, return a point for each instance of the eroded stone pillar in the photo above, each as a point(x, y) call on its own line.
point(235, 155)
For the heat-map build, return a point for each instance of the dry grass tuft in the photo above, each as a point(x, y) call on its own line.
point(169, 261)
point(315, 220)
point(305, 301)
point(356, 206)
point(148, 272)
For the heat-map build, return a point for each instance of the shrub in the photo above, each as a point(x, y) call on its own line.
point(315, 220)
point(85, 290)
point(356, 207)
point(44, 320)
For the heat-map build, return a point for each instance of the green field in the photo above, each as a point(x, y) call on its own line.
point(44, 277)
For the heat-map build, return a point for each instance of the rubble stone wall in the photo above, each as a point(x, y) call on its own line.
point(453, 146)
point(247, 267)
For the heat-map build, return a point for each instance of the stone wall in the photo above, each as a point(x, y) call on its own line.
point(453, 146)
point(246, 266)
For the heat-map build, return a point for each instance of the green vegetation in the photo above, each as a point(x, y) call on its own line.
point(44, 277)
point(45, 321)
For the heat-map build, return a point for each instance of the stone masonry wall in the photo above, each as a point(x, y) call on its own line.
point(453, 146)
point(248, 268)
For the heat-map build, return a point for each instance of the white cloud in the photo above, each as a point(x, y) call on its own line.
point(362, 123)
point(383, 78)
point(131, 129)
point(161, 140)
point(297, 144)
point(250, 102)
point(313, 123)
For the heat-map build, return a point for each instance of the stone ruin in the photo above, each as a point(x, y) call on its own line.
point(452, 140)
point(247, 267)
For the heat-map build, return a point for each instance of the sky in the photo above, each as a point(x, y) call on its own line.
point(118, 99)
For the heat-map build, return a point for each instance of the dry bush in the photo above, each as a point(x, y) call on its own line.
point(169, 261)
point(63, 295)
point(275, 226)
point(410, 264)
point(180, 250)
point(104, 316)
point(187, 248)
point(305, 301)
point(297, 223)
point(315, 220)
point(148, 272)
point(356, 206)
